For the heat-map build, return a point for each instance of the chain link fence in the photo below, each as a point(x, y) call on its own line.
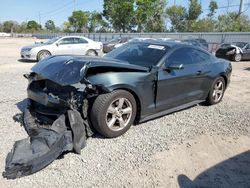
point(213, 39)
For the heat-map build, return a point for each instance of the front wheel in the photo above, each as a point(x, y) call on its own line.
point(91, 53)
point(237, 57)
point(217, 91)
point(43, 54)
point(112, 114)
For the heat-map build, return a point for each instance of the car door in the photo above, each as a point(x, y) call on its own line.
point(80, 46)
point(64, 46)
point(179, 86)
point(246, 52)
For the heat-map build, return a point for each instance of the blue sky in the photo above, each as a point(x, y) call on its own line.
point(59, 10)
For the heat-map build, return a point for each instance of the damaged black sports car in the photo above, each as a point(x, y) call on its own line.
point(72, 96)
point(138, 81)
point(236, 51)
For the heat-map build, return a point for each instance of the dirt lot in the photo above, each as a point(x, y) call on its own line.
point(208, 146)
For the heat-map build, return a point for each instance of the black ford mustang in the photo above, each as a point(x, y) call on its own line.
point(136, 82)
point(69, 96)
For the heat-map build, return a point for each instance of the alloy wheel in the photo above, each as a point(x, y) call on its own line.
point(119, 114)
point(218, 91)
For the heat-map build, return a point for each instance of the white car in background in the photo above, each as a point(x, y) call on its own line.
point(5, 34)
point(69, 45)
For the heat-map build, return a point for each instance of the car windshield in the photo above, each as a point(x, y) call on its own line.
point(239, 44)
point(114, 40)
point(51, 41)
point(192, 42)
point(140, 53)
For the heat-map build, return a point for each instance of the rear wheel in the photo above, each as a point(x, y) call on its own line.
point(91, 53)
point(237, 57)
point(112, 114)
point(217, 91)
point(43, 54)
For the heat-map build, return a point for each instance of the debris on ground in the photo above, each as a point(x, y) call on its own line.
point(45, 143)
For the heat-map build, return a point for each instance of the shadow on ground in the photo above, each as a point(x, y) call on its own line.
point(26, 61)
point(247, 68)
point(231, 173)
point(21, 106)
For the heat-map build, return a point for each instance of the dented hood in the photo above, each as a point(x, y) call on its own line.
point(67, 70)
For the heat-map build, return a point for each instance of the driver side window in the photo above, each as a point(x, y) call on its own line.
point(180, 56)
point(66, 41)
point(247, 46)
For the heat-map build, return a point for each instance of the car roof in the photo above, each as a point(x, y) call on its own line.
point(168, 43)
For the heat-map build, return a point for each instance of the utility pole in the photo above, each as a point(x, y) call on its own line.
point(74, 5)
point(39, 15)
point(240, 12)
point(241, 6)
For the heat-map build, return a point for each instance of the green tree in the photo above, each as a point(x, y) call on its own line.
point(142, 12)
point(232, 22)
point(66, 27)
point(33, 26)
point(10, 26)
point(50, 25)
point(78, 21)
point(120, 14)
point(213, 6)
point(1, 27)
point(96, 23)
point(156, 22)
point(194, 10)
point(177, 15)
point(202, 25)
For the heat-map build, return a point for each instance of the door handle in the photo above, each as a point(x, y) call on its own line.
point(198, 72)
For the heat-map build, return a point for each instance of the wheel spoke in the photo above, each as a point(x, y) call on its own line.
point(111, 109)
point(121, 102)
point(127, 110)
point(216, 97)
point(219, 92)
point(112, 122)
point(214, 93)
point(219, 85)
point(121, 122)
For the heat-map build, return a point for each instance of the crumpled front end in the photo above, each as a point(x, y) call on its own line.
point(56, 122)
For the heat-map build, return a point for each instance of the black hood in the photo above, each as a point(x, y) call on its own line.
point(67, 70)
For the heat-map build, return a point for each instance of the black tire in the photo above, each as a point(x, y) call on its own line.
point(41, 53)
point(99, 113)
point(91, 53)
point(237, 57)
point(211, 100)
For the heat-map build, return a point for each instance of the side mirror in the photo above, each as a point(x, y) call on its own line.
point(175, 67)
point(57, 44)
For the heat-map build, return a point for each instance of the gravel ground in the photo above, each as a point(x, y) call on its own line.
point(130, 159)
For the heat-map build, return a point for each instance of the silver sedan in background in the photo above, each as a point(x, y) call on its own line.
point(69, 45)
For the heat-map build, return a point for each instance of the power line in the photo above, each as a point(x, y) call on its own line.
point(60, 8)
point(223, 7)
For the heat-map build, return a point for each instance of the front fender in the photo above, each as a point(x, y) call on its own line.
point(140, 83)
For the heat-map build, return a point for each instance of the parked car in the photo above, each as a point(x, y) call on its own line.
point(2, 34)
point(69, 45)
point(115, 43)
point(194, 43)
point(134, 83)
point(235, 51)
point(203, 42)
